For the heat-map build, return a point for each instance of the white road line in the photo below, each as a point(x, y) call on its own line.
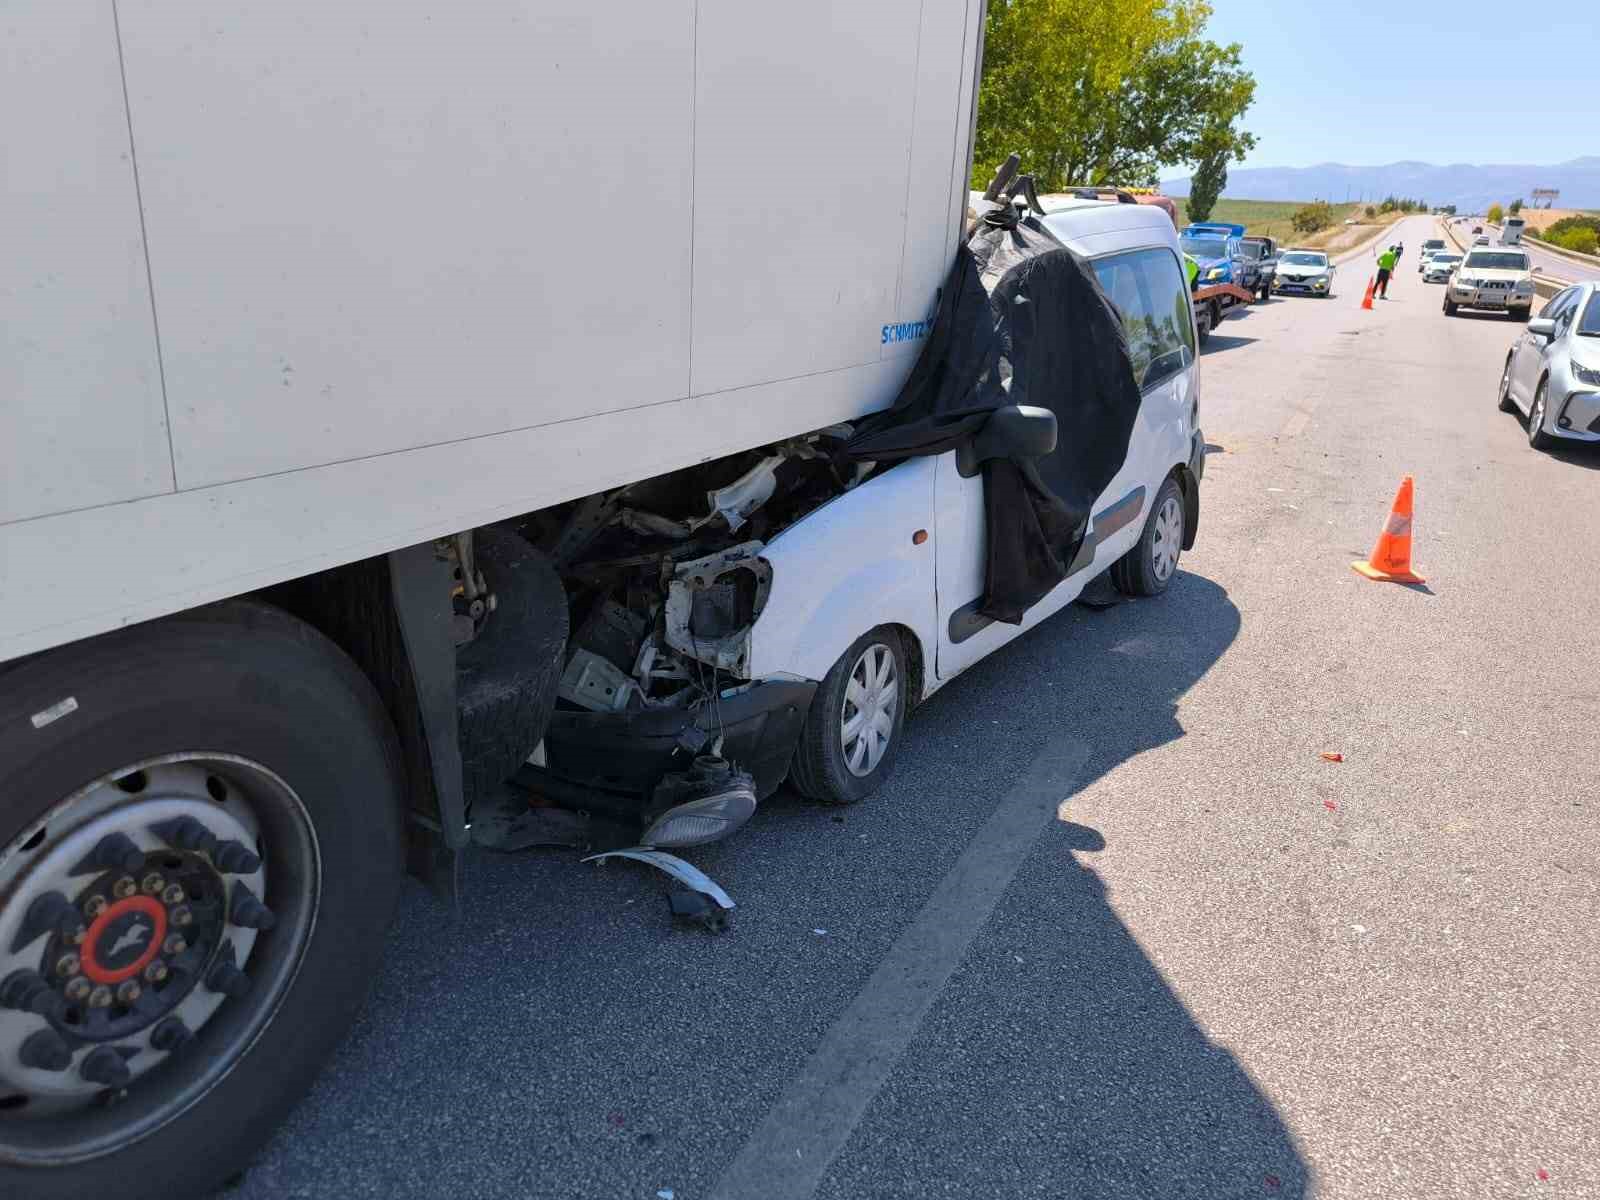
point(810, 1123)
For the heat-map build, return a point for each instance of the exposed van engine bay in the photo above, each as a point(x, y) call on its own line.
point(657, 712)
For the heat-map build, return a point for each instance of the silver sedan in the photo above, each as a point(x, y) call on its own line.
point(1552, 373)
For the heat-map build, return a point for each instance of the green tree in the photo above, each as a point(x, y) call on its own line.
point(1584, 241)
point(1312, 217)
point(1371, 212)
point(1106, 91)
point(1496, 214)
point(1516, 206)
point(1209, 178)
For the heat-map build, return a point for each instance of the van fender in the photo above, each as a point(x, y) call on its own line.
point(850, 566)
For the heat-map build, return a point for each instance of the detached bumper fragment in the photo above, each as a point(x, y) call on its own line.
point(616, 763)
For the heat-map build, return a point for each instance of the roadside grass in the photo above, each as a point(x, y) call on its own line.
point(1265, 218)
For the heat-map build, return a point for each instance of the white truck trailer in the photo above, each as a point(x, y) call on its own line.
point(303, 306)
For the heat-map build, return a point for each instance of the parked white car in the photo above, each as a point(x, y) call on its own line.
point(1429, 248)
point(1309, 272)
point(1439, 267)
point(1497, 279)
point(1552, 373)
point(884, 621)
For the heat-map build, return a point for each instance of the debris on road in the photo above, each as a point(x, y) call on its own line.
point(693, 908)
point(691, 876)
point(1332, 756)
point(1330, 806)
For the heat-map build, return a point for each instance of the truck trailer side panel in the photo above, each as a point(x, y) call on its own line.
point(423, 268)
point(81, 415)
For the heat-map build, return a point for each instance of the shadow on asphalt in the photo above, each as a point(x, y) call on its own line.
point(1576, 455)
point(1479, 314)
point(1103, 1084)
point(1221, 341)
point(553, 1034)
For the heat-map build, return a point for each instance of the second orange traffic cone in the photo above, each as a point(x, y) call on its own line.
point(1391, 557)
point(1366, 301)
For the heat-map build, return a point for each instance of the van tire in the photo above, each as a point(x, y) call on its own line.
point(1149, 566)
point(246, 681)
point(506, 677)
point(820, 769)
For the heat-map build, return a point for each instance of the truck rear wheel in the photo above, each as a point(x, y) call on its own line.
point(200, 850)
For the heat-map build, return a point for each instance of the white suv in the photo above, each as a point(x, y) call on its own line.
point(1499, 279)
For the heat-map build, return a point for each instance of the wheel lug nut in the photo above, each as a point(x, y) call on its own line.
point(50, 912)
point(246, 910)
point(77, 990)
point(100, 997)
point(181, 916)
point(155, 972)
point(152, 883)
point(124, 887)
point(169, 1035)
point(105, 1067)
point(173, 894)
point(28, 991)
point(67, 964)
point(115, 851)
point(185, 833)
point(128, 991)
point(45, 1050)
point(94, 906)
point(176, 943)
point(235, 858)
point(225, 977)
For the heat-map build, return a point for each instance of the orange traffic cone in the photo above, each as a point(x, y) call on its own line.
point(1366, 301)
point(1391, 557)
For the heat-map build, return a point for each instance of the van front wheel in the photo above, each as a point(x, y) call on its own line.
point(852, 731)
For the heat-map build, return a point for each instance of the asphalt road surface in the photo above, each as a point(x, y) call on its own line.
point(1116, 928)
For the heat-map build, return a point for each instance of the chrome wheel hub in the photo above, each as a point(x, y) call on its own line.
point(870, 699)
point(1168, 539)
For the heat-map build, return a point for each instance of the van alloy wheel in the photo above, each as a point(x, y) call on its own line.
point(144, 943)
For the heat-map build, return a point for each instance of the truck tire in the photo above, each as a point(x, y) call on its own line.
point(1148, 567)
point(867, 687)
point(1449, 309)
point(209, 808)
point(506, 677)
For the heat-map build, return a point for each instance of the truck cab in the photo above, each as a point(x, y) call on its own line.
point(1261, 263)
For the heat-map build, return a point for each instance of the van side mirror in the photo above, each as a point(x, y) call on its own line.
point(1015, 431)
point(1542, 327)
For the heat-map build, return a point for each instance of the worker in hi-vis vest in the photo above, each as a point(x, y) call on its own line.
point(1386, 262)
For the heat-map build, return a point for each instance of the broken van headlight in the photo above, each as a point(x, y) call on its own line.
point(714, 602)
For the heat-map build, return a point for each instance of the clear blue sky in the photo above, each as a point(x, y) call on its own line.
point(1350, 82)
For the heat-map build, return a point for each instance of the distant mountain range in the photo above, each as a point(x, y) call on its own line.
point(1470, 188)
